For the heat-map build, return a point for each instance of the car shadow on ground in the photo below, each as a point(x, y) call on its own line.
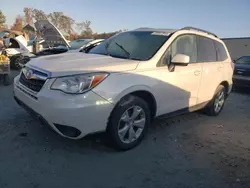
point(35, 132)
point(45, 137)
point(190, 147)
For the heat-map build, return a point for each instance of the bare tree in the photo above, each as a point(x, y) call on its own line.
point(38, 14)
point(28, 15)
point(80, 26)
point(66, 24)
point(18, 25)
point(24, 22)
point(62, 22)
point(2, 19)
point(87, 31)
point(55, 18)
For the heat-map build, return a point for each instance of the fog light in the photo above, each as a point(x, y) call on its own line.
point(68, 131)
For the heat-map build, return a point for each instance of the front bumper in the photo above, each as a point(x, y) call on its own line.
point(85, 113)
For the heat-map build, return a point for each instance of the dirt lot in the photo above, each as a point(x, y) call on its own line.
point(192, 150)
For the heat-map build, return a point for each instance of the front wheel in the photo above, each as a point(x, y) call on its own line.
point(15, 62)
point(217, 103)
point(129, 122)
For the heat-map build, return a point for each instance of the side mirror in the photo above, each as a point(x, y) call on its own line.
point(181, 59)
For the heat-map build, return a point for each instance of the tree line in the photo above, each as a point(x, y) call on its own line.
point(64, 23)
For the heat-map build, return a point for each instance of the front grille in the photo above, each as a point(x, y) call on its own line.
point(33, 84)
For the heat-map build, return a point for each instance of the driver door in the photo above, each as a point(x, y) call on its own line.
point(180, 85)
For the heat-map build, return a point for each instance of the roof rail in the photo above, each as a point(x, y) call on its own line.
point(162, 29)
point(197, 29)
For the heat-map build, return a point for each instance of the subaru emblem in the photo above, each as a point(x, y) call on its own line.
point(28, 74)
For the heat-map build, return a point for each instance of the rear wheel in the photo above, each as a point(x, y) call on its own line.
point(128, 122)
point(217, 103)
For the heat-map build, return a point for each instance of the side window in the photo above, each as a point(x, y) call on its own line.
point(221, 52)
point(243, 60)
point(206, 50)
point(184, 44)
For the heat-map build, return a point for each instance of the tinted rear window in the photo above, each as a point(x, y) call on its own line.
point(221, 52)
point(243, 60)
point(206, 50)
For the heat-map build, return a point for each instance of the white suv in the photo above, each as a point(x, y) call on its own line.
point(125, 82)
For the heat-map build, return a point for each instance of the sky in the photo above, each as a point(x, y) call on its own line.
point(226, 18)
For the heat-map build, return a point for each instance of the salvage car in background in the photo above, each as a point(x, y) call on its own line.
point(58, 50)
point(16, 45)
point(87, 47)
point(241, 77)
point(56, 42)
point(78, 43)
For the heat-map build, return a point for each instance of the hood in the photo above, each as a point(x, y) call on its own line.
point(50, 33)
point(77, 63)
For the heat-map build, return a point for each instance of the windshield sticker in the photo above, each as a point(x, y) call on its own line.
point(158, 33)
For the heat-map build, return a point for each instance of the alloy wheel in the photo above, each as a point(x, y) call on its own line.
point(219, 101)
point(131, 124)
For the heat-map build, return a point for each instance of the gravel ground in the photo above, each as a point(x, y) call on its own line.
point(191, 150)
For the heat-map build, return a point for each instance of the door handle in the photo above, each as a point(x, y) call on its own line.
point(197, 72)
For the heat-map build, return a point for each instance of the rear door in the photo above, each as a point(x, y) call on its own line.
point(212, 68)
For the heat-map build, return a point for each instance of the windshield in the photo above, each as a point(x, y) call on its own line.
point(243, 60)
point(137, 45)
point(77, 44)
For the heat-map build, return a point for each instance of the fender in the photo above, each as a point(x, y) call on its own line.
point(131, 90)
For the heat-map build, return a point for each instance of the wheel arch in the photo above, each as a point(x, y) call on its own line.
point(226, 85)
point(143, 92)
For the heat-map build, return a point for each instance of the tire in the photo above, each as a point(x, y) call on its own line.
point(121, 120)
point(6, 80)
point(24, 61)
point(14, 62)
point(220, 94)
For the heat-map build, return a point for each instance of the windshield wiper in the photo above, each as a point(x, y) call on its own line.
point(127, 53)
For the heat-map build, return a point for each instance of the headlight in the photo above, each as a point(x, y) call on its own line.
point(78, 83)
